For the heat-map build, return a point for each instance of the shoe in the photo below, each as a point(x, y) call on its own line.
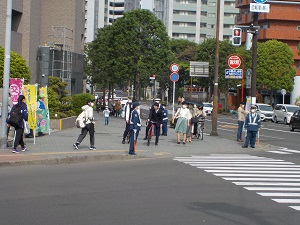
point(178, 142)
point(15, 151)
point(76, 146)
point(244, 146)
point(23, 149)
point(240, 140)
point(145, 138)
point(131, 153)
point(123, 142)
point(252, 146)
point(92, 148)
point(183, 143)
point(156, 143)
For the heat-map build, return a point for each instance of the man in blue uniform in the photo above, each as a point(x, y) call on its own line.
point(165, 121)
point(252, 125)
point(135, 127)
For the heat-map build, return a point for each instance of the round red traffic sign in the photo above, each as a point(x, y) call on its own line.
point(234, 61)
point(174, 67)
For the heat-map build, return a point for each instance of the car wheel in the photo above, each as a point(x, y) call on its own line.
point(291, 127)
point(285, 121)
point(275, 119)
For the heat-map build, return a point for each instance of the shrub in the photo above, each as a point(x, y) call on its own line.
point(79, 100)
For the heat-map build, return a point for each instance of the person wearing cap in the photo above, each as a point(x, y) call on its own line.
point(252, 125)
point(127, 115)
point(165, 121)
point(183, 114)
point(134, 127)
point(90, 125)
point(241, 121)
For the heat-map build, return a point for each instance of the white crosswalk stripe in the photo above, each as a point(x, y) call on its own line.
point(284, 151)
point(277, 179)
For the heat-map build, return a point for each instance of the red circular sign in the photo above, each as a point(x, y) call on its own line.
point(234, 61)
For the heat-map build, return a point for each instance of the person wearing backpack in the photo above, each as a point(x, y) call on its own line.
point(16, 118)
point(89, 125)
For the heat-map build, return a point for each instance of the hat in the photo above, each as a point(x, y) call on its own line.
point(253, 107)
point(89, 100)
point(135, 104)
point(41, 96)
point(157, 100)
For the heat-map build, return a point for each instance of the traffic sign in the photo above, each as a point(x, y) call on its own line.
point(283, 92)
point(174, 67)
point(234, 62)
point(260, 1)
point(174, 77)
point(256, 7)
point(248, 78)
point(234, 73)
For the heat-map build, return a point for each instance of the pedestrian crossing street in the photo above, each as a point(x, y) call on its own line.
point(274, 178)
point(284, 151)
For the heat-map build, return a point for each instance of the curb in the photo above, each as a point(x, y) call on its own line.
point(71, 159)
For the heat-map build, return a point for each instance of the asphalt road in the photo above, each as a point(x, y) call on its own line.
point(151, 191)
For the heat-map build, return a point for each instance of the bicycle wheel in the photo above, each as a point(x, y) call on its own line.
point(149, 136)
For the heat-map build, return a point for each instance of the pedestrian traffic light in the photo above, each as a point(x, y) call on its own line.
point(236, 36)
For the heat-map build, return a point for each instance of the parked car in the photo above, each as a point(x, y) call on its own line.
point(208, 107)
point(295, 121)
point(265, 111)
point(283, 112)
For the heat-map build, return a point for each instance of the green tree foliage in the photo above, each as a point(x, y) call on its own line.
point(79, 100)
point(18, 67)
point(59, 99)
point(274, 65)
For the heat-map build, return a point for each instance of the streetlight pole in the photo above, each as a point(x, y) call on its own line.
point(216, 80)
point(254, 59)
point(6, 74)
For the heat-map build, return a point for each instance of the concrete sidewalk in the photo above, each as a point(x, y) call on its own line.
point(57, 147)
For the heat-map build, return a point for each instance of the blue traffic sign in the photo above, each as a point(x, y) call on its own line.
point(260, 1)
point(233, 73)
point(174, 77)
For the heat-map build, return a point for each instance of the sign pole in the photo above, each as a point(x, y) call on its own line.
point(173, 100)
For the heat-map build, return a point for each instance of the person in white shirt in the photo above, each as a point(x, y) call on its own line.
point(106, 113)
point(184, 115)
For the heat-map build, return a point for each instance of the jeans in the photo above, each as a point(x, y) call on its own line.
point(90, 127)
point(106, 121)
point(240, 130)
point(131, 144)
point(251, 136)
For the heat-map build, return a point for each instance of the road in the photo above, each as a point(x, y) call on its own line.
point(151, 191)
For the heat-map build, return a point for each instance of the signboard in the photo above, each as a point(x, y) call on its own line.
point(233, 73)
point(199, 69)
point(234, 62)
point(248, 78)
point(283, 92)
point(174, 67)
point(255, 7)
point(174, 77)
point(260, 1)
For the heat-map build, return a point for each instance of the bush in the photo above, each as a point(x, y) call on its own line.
point(79, 100)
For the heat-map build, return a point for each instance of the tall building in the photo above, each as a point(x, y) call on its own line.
point(195, 20)
point(100, 13)
point(281, 23)
point(49, 34)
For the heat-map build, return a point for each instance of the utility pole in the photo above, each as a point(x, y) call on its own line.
point(254, 58)
point(216, 80)
point(6, 74)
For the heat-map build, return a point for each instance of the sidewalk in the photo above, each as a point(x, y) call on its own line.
point(57, 148)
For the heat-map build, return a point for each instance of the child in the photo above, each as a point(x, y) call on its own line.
point(106, 113)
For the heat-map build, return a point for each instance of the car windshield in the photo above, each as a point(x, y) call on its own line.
point(265, 108)
point(292, 108)
point(207, 105)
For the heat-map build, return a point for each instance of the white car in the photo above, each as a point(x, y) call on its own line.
point(283, 113)
point(265, 111)
point(208, 107)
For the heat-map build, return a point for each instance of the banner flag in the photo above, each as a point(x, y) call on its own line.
point(30, 93)
point(15, 89)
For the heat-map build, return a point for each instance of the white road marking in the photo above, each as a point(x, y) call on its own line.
point(266, 183)
point(295, 207)
point(280, 152)
point(288, 201)
point(252, 175)
point(279, 194)
point(271, 189)
point(244, 163)
point(251, 172)
point(245, 168)
point(260, 179)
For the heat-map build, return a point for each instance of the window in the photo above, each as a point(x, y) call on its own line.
point(211, 15)
point(204, 2)
point(212, 26)
point(228, 26)
point(298, 27)
point(212, 4)
point(203, 24)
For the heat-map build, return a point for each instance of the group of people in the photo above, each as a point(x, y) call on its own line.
point(250, 122)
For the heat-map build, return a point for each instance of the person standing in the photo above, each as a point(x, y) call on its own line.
point(118, 108)
point(165, 121)
point(90, 125)
point(19, 129)
point(241, 120)
point(135, 127)
point(106, 113)
point(183, 114)
point(252, 125)
point(127, 110)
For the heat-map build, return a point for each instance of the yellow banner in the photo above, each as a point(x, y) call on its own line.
point(43, 90)
point(30, 93)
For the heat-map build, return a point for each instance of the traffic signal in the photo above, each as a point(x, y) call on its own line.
point(236, 36)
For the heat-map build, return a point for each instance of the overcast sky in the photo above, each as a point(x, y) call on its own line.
point(147, 4)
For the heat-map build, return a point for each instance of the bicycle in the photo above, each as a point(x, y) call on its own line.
point(200, 128)
point(150, 133)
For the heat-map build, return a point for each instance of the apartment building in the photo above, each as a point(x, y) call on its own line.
point(49, 34)
point(195, 20)
point(282, 24)
point(100, 13)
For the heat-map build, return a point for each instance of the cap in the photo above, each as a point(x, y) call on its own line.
point(253, 107)
point(89, 100)
point(157, 100)
point(42, 96)
point(135, 104)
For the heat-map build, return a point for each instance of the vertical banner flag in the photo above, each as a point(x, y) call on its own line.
point(42, 115)
point(15, 89)
point(30, 93)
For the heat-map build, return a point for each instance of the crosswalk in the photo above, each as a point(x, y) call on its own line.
point(284, 151)
point(274, 178)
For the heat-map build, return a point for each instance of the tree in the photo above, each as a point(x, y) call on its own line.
point(274, 65)
point(18, 67)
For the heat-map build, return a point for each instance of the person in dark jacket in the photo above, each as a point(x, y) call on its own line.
point(252, 125)
point(156, 118)
point(134, 127)
point(165, 121)
point(19, 131)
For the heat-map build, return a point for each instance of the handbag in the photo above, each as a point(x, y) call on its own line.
point(195, 119)
point(26, 127)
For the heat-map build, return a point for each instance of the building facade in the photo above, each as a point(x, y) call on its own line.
point(48, 24)
point(282, 24)
point(195, 20)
